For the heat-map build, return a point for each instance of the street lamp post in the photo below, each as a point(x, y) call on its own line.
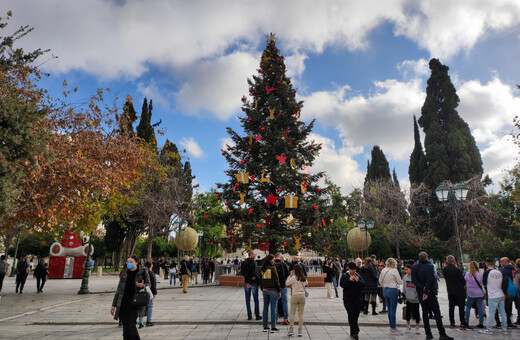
point(200, 233)
point(345, 233)
point(453, 195)
point(86, 270)
point(366, 225)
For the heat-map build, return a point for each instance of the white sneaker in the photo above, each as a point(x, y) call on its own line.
point(408, 329)
point(417, 330)
point(291, 332)
point(503, 331)
point(485, 331)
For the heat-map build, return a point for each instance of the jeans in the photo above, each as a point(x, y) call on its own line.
point(335, 283)
point(493, 305)
point(174, 277)
point(270, 298)
point(285, 305)
point(469, 304)
point(149, 314)
point(254, 289)
point(391, 295)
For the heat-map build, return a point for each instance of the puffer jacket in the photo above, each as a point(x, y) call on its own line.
point(370, 277)
point(142, 275)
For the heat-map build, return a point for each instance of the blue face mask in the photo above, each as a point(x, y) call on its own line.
point(130, 265)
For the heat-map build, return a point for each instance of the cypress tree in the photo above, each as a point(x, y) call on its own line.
point(128, 118)
point(417, 158)
point(378, 167)
point(145, 129)
point(450, 150)
point(396, 181)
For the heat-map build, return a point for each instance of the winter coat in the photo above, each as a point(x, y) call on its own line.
point(142, 275)
point(370, 277)
point(249, 269)
point(424, 278)
point(455, 282)
point(352, 290)
point(329, 271)
point(269, 279)
point(185, 268)
point(41, 270)
point(283, 271)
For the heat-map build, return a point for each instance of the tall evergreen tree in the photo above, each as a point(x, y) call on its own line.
point(450, 150)
point(270, 196)
point(417, 158)
point(396, 180)
point(128, 118)
point(378, 167)
point(145, 129)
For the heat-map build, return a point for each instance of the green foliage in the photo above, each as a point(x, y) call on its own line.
point(33, 245)
point(417, 158)
point(100, 250)
point(378, 168)
point(160, 247)
point(207, 219)
point(145, 130)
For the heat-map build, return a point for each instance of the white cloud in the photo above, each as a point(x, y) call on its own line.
point(224, 142)
point(411, 69)
point(192, 147)
point(152, 91)
point(500, 155)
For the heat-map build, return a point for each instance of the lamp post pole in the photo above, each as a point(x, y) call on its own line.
point(86, 270)
point(366, 225)
point(345, 235)
point(454, 194)
point(200, 233)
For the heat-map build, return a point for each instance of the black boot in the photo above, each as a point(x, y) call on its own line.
point(365, 307)
point(374, 309)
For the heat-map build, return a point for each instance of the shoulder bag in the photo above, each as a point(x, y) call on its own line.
point(305, 290)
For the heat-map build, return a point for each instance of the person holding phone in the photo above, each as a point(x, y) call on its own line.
point(352, 284)
point(133, 278)
point(297, 282)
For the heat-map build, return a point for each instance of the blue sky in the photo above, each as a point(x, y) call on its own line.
point(360, 67)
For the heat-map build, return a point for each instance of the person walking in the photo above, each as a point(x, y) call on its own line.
point(153, 289)
point(328, 273)
point(370, 288)
point(507, 271)
point(3, 270)
point(185, 273)
point(283, 273)
point(205, 270)
point(427, 288)
point(173, 273)
point(249, 270)
point(516, 281)
point(492, 280)
point(412, 300)
point(270, 284)
point(40, 273)
point(390, 280)
point(475, 292)
point(456, 287)
point(352, 284)
point(133, 278)
point(297, 282)
point(22, 271)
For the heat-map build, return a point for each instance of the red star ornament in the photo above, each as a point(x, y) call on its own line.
point(271, 199)
point(281, 159)
point(258, 138)
point(250, 210)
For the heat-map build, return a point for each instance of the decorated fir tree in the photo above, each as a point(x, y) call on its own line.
point(272, 201)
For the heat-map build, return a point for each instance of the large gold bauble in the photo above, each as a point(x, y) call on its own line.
point(356, 239)
point(187, 239)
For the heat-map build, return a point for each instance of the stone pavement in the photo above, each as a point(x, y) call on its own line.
point(206, 312)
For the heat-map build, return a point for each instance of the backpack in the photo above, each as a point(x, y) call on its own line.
point(206, 266)
point(508, 286)
point(194, 268)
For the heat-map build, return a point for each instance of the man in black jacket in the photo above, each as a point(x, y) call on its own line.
point(352, 284)
point(249, 269)
point(283, 273)
point(456, 286)
point(507, 270)
point(427, 288)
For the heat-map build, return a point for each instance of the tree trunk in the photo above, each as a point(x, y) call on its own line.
point(150, 242)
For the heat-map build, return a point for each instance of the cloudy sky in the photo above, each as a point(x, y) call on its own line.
point(360, 66)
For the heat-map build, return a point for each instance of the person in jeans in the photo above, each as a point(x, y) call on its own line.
point(456, 287)
point(249, 269)
point(390, 280)
point(297, 282)
point(352, 284)
point(270, 284)
point(507, 271)
point(423, 276)
point(380, 267)
point(153, 289)
point(475, 292)
point(283, 273)
point(492, 280)
point(412, 300)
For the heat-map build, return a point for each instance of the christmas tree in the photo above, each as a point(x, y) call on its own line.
point(272, 201)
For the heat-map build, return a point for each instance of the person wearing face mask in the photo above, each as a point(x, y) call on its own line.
point(133, 278)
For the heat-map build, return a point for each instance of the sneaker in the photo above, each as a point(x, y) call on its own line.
point(274, 330)
point(395, 331)
point(485, 331)
point(503, 331)
point(291, 332)
point(463, 328)
point(452, 326)
point(300, 334)
point(383, 311)
point(417, 330)
point(266, 329)
point(429, 336)
point(149, 324)
point(511, 325)
point(408, 329)
point(285, 322)
point(445, 337)
point(250, 317)
point(480, 326)
point(140, 325)
point(258, 317)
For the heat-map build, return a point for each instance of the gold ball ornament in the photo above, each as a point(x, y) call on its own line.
point(356, 239)
point(309, 234)
point(187, 239)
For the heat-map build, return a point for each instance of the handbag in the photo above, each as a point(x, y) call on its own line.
point(404, 312)
point(305, 290)
point(141, 298)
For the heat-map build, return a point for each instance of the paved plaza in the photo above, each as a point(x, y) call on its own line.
point(206, 312)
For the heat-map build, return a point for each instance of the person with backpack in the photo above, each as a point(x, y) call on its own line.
point(516, 281)
point(492, 280)
point(412, 300)
point(185, 273)
point(249, 270)
point(507, 272)
point(153, 289)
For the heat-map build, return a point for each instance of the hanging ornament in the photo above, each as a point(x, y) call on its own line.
point(207, 216)
point(243, 177)
point(265, 179)
point(263, 245)
point(242, 197)
point(315, 207)
point(267, 222)
point(297, 240)
point(259, 226)
point(271, 113)
point(269, 89)
point(250, 139)
point(304, 188)
point(258, 138)
point(284, 243)
point(271, 199)
point(253, 177)
point(309, 234)
point(293, 163)
point(250, 210)
point(291, 201)
point(281, 159)
point(323, 221)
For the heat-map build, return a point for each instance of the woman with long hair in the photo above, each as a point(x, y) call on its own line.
point(475, 293)
point(270, 285)
point(390, 280)
point(370, 289)
point(297, 282)
point(133, 278)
